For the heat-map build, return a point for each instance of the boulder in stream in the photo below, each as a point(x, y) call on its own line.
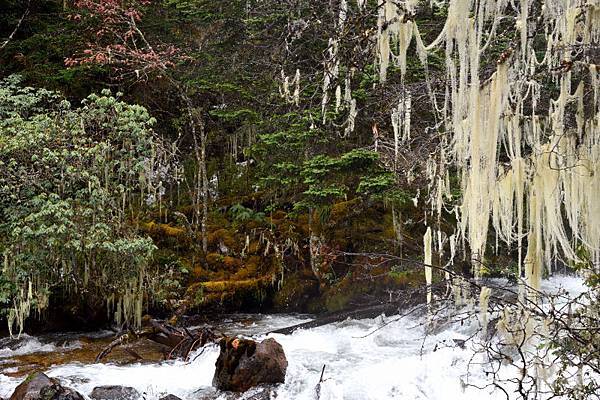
point(262, 392)
point(38, 386)
point(170, 397)
point(244, 363)
point(115, 393)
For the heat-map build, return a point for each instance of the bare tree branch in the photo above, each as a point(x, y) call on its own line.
point(10, 37)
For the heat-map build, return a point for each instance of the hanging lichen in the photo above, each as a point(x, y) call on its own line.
point(69, 230)
point(527, 175)
point(427, 259)
point(285, 90)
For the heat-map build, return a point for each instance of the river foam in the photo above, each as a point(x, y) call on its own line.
point(364, 359)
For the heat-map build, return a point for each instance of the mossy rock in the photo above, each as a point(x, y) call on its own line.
point(250, 268)
point(254, 247)
point(229, 294)
point(254, 262)
point(161, 232)
point(278, 215)
point(296, 293)
point(230, 286)
point(219, 262)
point(200, 274)
point(245, 272)
point(340, 211)
point(342, 296)
point(231, 263)
point(225, 236)
point(371, 279)
point(215, 260)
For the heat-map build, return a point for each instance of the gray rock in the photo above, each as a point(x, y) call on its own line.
point(115, 393)
point(261, 392)
point(38, 386)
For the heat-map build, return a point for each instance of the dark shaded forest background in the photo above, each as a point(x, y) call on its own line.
point(254, 194)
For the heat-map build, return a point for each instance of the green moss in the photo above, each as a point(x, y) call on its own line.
point(229, 292)
point(215, 259)
point(199, 273)
point(296, 293)
point(231, 263)
point(224, 236)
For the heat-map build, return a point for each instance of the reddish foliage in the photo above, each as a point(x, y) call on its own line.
point(118, 41)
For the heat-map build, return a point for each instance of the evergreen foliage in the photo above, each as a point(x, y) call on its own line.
point(72, 183)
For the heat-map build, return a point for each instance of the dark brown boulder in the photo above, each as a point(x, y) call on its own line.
point(170, 397)
point(115, 393)
point(38, 386)
point(243, 364)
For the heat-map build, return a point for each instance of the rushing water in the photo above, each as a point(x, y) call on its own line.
point(363, 360)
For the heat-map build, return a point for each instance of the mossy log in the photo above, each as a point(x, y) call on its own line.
point(162, 231)
point(233, 286)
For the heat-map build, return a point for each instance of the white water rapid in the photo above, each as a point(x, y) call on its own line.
point(362, 362)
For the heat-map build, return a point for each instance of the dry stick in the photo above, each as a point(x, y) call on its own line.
point(106, 351)
point(199, 354)
point(322, 372)
point(318, 387)
point(10, 37)
point(170, 355)
point(186, 330)
point(176, 340)
point(187, 355)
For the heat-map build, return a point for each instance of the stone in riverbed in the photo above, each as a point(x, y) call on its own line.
point(170, 397)
point(243, 364)
point(262, 392)
point(115, 393)
point(38, 386)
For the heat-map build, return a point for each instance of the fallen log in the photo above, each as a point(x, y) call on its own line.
point(369, 311)
point(180, 342)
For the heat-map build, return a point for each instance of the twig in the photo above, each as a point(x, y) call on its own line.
point(322, 373)
point(10, 37)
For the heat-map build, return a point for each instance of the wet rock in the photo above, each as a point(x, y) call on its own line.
point(262, 392)
point(298, 293)
point(38, 386)
point(170, 397)
point(243, 364)
point(115, 393)
point(207, 393)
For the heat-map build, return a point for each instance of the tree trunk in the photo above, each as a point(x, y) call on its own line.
point(314, 245)
point(203, 171)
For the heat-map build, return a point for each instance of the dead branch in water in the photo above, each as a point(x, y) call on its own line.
point(181, 342)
